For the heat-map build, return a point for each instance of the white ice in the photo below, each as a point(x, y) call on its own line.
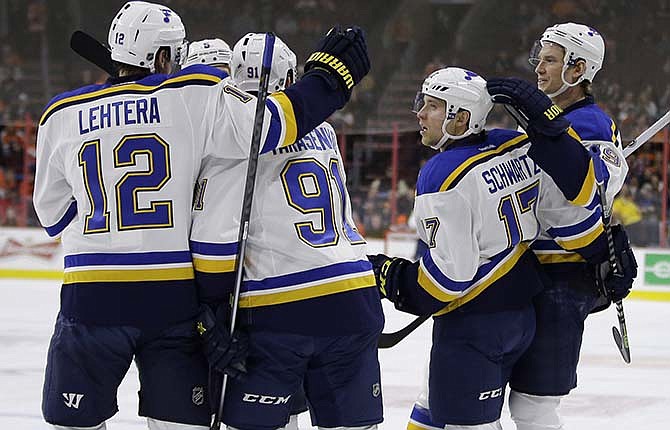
point(611, 395)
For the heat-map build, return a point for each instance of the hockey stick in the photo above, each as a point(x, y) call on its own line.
point(248, 199)
point(388, 340)
point(620, 337)
point(87, 47)
point(647, 134)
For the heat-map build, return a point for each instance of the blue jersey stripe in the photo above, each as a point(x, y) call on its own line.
point(458, 286)
point(578, 228)
point(130, 259)
point(58, 228)
point(205, 248)
point(274, 132)
point(311, 275)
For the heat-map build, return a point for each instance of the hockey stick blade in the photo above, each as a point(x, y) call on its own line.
point(88, 48)
point(647, 134)
point(621, 337)
point(388, 340)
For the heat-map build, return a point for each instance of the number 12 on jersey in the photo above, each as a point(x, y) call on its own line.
point(308, 186)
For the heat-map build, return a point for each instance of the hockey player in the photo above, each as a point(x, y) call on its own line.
point(245, 60)
point(116, 164)
point(246, 64)
point(566, 59)
point(479, 203)
point(308, 301)
point(213, 52)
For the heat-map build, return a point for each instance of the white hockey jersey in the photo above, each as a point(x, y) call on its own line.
point(303, 248)
point(594, 127)
point(479, 204)
point(116, 167)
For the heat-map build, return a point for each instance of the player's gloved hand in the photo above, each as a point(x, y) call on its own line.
point(341, 58)
point(386, 271)
point(225, 353)
point(619, 286)
point(543, 116)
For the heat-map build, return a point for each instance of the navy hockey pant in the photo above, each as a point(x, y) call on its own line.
point(86, 364)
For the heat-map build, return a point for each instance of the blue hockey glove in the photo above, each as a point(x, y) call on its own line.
point(341, 58)
point(543, 116)
point(225, 353)
point(619, 286)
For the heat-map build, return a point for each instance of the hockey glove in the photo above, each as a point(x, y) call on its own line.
point(387, 271)
point(341, 58)
point(618, 286)
point(543, 116)
point(225, 353)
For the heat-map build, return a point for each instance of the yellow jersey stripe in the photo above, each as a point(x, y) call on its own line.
point(613, 128)
point(560, 258)
point(433, 289)
point(498, 273)
point(320, 290)
point(290, 126)
point(583, 241)
point(147, 275)
point(573, 133)
point(214, 266)
point(127, 87)
point(473, 160)
point(588, 188)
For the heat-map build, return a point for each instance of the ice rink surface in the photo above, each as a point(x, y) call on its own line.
point(611, 395)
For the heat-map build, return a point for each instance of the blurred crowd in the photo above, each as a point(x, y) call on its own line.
point(633, 86)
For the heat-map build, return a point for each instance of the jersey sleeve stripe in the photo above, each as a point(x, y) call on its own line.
point(583, 240)
point(586, 193)
point(130, 88)
point(214, 265)
point(459, 172)
point(576, 229)
point(56, 229)
point(207, 248)
point(494, 274)
point(283, 129)
point(276, 131)
point(557, 258)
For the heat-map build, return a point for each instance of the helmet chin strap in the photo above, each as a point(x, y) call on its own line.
point(447, 136)
point(566, 84)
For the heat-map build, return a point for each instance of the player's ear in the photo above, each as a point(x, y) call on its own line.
point(579, 68)
point(162, 62)
point(462, 118)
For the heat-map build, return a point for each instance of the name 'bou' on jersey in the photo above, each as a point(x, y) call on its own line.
point(305, 262)
point(116, 164)
point(594, 127)
point(479, 206)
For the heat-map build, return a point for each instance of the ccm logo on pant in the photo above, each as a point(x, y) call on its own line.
point(265, 400)
point(490, 394)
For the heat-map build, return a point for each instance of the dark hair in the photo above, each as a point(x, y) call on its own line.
point(129, 69)
point(587, 87)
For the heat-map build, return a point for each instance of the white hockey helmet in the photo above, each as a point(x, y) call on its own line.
point(140, 29)
point(248, 58)
point(580, 42)
point(461, 90)
point(213, 52)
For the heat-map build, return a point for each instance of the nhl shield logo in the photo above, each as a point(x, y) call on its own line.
point(376, 389)
point(198, 396)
